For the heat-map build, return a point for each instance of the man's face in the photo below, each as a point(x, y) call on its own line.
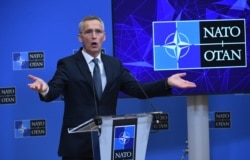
point(92, 36)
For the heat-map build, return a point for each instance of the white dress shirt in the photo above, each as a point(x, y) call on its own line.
point(91, 65)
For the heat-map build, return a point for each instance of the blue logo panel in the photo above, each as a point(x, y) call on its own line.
point(124, 137)
point(22, 128)
point(20, 61)
point(198, 44)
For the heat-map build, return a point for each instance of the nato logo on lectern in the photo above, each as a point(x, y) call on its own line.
point(199, 44)
point(28, 60)
point(124, 139)
point(124, 142)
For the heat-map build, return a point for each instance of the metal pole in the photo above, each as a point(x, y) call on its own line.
point(198, 127)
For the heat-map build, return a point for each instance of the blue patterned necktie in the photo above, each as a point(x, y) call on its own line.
point(97, 79)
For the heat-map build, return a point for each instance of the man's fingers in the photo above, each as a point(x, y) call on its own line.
point(181, 74)
point(32, 77)
point(36, 86)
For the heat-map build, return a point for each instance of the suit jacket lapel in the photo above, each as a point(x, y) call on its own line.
point(108, 70)
point(83, 67)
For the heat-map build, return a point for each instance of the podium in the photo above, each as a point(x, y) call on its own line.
point(120, 137)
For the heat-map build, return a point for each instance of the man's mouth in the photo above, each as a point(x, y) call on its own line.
point(94, 44)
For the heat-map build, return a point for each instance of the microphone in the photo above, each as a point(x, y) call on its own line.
point(97, 118)
point(147, 98)
point(160, 119)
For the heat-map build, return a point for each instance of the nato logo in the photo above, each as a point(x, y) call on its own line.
point(124, 142)
point(28, 60)
point(199, 44)
point(220, 119)
point(29, 128)
point(8, 95)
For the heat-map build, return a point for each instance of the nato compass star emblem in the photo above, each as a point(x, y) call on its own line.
point(124, 138)
point(22, 129)
point(177, 45)
point(20, 61)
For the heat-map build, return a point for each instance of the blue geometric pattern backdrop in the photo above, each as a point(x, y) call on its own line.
point(177, 25)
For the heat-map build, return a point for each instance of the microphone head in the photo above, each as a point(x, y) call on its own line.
point(98, 120)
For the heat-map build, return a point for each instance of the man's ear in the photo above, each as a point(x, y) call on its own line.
point(104, 38)
point(79, 38)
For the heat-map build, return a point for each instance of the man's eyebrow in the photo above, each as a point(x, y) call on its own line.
point(92, 30)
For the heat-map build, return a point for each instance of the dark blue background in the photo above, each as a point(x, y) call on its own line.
point(135, 20)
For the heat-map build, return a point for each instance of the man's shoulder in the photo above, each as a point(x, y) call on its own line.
point(71, 57)
point(109, 58)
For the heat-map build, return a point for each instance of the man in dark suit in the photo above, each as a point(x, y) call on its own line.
point(73, 79)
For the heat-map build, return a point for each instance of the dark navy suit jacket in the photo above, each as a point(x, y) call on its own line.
point(73, 80)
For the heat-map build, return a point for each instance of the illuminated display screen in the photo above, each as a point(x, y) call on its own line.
point(207, 39)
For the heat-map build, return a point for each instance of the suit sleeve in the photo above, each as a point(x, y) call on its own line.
point(134, 88)
point(57, 83)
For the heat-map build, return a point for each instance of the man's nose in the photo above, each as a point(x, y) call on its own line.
point(94, 34)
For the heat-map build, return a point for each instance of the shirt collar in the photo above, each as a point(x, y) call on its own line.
point(89, 58)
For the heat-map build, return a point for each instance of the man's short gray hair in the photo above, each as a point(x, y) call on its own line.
point(89, 18)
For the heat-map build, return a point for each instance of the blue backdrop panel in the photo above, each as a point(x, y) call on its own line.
point(50, 28)
point(230, 143)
